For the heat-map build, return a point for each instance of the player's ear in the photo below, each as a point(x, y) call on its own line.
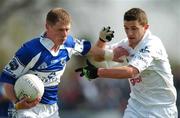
point(146, 26)
point(47, 26)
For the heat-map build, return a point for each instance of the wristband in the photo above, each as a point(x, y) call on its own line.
point(14, 103)
point(108, 55)
point(102, 40)
point(16, 106)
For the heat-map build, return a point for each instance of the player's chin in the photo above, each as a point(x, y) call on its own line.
point(62, 40)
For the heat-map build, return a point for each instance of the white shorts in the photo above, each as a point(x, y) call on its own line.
point(39, 111)
point(137, 110)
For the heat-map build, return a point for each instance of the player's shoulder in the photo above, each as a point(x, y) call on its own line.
point(31, 47)
point(32, 43)
point(153, 43)
point(153, 40)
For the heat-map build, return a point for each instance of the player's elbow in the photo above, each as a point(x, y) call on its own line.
point(7, 86)
point(98, 59)
point(133, 71)
point(97, 54)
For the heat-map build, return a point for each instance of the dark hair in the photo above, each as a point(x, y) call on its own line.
point(136, 14)
point(57, 14)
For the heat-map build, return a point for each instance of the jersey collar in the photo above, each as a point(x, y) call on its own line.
point(147, 34)
point(48, 44)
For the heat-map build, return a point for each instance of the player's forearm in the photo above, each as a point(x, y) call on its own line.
point(101, 54)
point(123, 72)
point(97, 51)
point(100, 44)
point(97, 54)
point(10, 94)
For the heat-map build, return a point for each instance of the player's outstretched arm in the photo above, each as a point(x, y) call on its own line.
point(92, 72)
point(97, 51)
point(89, 71)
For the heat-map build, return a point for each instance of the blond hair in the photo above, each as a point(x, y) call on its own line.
point(58, 14)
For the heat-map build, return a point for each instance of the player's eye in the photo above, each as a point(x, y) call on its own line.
point(126, 28)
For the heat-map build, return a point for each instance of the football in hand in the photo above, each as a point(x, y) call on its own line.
point(29, 85)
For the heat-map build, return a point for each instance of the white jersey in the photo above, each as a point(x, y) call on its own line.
point(154, 84)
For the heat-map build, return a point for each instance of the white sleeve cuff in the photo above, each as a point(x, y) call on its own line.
point(108, 55)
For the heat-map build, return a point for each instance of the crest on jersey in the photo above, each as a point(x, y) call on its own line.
point(63, 61)
point(145, 49)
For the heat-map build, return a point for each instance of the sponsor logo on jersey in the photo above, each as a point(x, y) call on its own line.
point(63, 61)
point(48, 78)
point(13, 64)
point(135, 80)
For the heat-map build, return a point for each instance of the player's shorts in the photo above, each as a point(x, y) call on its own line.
point(137, 110)
point(39, 111)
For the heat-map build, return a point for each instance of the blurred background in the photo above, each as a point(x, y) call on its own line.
point(21, 20)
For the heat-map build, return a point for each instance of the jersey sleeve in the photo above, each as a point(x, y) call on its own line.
point(77, 46)
point(81, 47)
point(22, 61)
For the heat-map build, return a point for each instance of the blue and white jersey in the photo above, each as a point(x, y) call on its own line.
point(36, 56)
